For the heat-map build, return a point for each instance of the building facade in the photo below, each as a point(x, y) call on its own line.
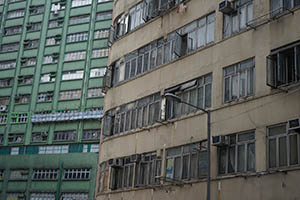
point(238, 59)
point(52, 61)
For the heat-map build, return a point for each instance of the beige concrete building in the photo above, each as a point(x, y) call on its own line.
point(238, 59)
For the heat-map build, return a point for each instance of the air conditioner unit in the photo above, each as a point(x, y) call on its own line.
point(226, 7)
point(220, 140)
point(55, 12)
point(294, 124)
point(116, 162)
point(44, 133)
point(3, 108)
point(135, 158)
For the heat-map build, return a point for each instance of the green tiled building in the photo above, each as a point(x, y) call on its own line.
point(53, 56)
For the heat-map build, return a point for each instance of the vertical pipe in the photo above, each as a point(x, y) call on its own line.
point(209, 156)
point(59, 180)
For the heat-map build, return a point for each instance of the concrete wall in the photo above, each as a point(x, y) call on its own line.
point(266, 107)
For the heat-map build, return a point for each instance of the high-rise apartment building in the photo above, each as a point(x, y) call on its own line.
point(238, 59)
point(53, 57)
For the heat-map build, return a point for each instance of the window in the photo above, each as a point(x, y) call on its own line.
point(99, 34)
point(187, 162)
point(42, 196)
point(278, 6)
point(50, 59)
point(239, 80)
point(79, 55)
point(15, 196)
point(238, 155)
point(137, 114)
point(9, 47)
point(283, 146)
point(46, 78)
point(53, 40)
point(1, 142)
point(104, 177)
point(1, 2)
point(95, 92)
point(237, 21)
point(79, 19)
point(77, 37)
point(53, 149)
point(91, 134)
point(7, 82)
point(185, 40)
point(12, 30)
point(4, 100)
point(121, 174)
point(33, 10)
point(21, 174)
point(19, 118)
point(15, 151)
point(70, 94)
point(77, 3)
point(79, 196)
point(25, 80)
point(72, 75)
point(8, 64)
point(34, 26)
point(90, 148)
point(1, 174)
point(22, 98)
point(196, 92)
point(97, 72)
point(99, 53)
point(29, 44)
point(101, 1)
point(64, 136)
point(104, 15)
point(3, 120)
point(76, 174)
point(45, 97)
point(136, 16)
point(147, 169)
point(58, 6)
point(39, 136)
point(45, 174)
point(15, 13)
point(56, 23)
point(25, 62)
point(284, 66)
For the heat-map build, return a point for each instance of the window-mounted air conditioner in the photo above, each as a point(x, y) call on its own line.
point(226, 7)
point(3, 108)
point(115, 162)
point(220, 140)
point(135, 158)
point(294, 124)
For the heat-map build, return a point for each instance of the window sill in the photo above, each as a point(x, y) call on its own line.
point(95, 97)
point(57, 27)
point(70, 61)
point(5, 87)
point(44, 102)
point(76, 42)
point(27, 66)
point(105, 2)
point(7, 69)
point(95, 58)
point(49, 63)
point(52, 45)
point(4, 52)
point(32, 48)
point(21, 104)
point(239, 100)
point(47, 82)
point(78, 79)
point(24, 84)
point(103, 20)
point(96, 77)
point(35, 14)
point(32, 31)
point(15, 17)
point(40, 180)
point(77, 179)
point(14, 34)
point(97, 39)
point(82, 6)
point(65, 100)
point(71, 25)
